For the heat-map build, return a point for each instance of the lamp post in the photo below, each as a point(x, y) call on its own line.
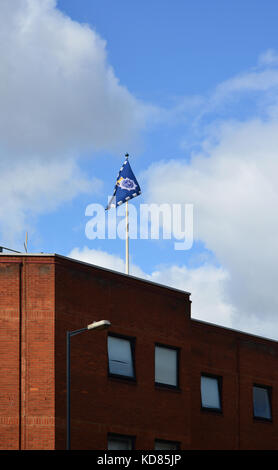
point(97, 325)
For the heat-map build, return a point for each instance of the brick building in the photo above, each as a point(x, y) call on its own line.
point(155, 379)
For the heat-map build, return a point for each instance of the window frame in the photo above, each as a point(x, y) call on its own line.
point(162, 384)
point(132, 341)
point(112, 435)
point(268, 388)
point(219, 380)
point(178, 444)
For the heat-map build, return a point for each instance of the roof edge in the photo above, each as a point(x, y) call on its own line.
point(128, 276)
point(233, 330)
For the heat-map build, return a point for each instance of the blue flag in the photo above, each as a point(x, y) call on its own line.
point(126, 186)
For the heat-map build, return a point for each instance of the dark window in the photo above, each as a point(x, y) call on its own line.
point(121, 356)
point(262, 402)
point(211, 392)
point(166, 366)
point(166, 445)
point(119, 442)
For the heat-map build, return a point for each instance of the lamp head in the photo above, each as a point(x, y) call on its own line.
point(99, 325)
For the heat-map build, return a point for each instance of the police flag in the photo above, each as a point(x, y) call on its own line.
point(126, 186)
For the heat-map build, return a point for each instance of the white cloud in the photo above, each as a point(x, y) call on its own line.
point(235, 197)
point(104, 259)
point(254, 91)
point(35, 188)
point(58, 97)
point(206, 285)
point(57, 91)
point(252, 81)
point(269, 57)
point(232, 182)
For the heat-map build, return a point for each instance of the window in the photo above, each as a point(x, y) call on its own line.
point(120, 356)
point(166, 366)
point(211, 392)
point(166, 445)
point(262, 402)
point(118, 442)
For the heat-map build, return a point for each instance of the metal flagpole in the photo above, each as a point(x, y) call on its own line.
point(127, 240)
point(125, 183)
point(127, 234)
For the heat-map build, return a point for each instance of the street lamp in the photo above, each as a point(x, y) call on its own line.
point(97, 325)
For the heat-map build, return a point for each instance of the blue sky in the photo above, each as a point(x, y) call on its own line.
point(162, 49)
point(190, 90)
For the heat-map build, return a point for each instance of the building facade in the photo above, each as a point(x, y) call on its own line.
point(156, 379)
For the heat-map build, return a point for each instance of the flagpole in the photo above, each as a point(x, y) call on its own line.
point(127, 234)
point(125, 183)
point(127, 240)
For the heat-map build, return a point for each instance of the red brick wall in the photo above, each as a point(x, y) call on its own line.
point(41, 297)
point(9, 355)
point(242, 360)
point(101, 404)
point(27, 353)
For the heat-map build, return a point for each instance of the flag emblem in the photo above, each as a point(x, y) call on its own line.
point(126, 186)
point(126, 183)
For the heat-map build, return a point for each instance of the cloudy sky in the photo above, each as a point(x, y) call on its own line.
point(190, 91)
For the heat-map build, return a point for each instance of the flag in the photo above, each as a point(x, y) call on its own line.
point(126, 186)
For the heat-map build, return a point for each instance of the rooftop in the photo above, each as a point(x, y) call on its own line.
point(196, 320)
point(55, 255)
